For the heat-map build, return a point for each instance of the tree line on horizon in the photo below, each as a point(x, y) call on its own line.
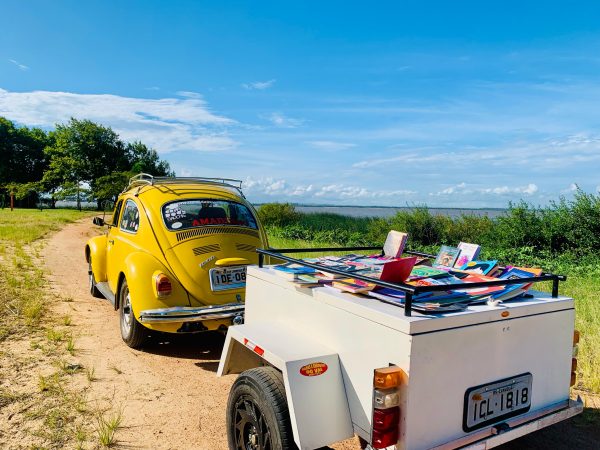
point(79, 159)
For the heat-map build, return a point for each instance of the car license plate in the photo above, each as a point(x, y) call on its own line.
point(493, 402)
point(222, 278)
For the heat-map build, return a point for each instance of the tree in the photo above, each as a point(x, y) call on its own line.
point(146, 160)
point(22, 159)
point(83, 152)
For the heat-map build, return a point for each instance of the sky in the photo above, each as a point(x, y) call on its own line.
point(448, 104)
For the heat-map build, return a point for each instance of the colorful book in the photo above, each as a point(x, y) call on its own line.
point(353, 285)
point(290, 271)
point(395, 243)
point(447, 256)
point(477, 278)
point(397, 271)
point(481, 267)
point(427, 272)
point(346, 269)
point(468, 252)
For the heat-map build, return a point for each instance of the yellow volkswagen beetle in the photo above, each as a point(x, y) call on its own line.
point(174, 256)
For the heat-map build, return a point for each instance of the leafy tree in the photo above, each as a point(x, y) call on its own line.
point(82, 152)
point(22, 159)
point(146, 160)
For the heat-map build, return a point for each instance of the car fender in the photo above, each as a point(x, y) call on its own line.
point(312, 376)
point(140, 269)
point(96, 249)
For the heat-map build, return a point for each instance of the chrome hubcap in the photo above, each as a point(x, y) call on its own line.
point(126, 314)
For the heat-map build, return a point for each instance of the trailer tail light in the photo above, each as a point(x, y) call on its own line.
point(386, 409)
point(386, 399)
point(576, 337)
point(388, 377)
point(385, 419)
point(163, 285)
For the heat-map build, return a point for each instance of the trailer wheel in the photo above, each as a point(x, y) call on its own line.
point(257, 412)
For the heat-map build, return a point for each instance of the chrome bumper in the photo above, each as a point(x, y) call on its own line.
point(516, 427)
point(192, 314)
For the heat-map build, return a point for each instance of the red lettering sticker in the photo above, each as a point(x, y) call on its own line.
point(313, 369)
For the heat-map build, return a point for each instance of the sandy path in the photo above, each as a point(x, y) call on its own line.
point(169, 394)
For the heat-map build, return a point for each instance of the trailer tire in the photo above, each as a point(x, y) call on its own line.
point(257, 412)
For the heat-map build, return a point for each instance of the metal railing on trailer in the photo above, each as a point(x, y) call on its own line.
point(409, 290)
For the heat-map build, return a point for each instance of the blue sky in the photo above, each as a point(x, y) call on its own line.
point(461, 104)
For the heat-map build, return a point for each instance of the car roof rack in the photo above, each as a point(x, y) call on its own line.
point(145, 179)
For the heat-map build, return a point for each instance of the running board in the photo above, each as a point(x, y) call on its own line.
point(106, 292)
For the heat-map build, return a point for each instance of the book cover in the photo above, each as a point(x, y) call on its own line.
point(447, 256)
point(397, 271)
point(468, 252)
point(427, 272)
point(394, 243)
point(481, 267)
point(476, 278)
point(353, 285)
point(291, 270)
point(348, 270)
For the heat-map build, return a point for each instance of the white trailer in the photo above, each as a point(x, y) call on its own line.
point(318, 366)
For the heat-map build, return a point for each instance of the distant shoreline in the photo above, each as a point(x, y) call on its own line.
point(388, 211)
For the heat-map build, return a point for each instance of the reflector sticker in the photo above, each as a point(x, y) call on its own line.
point(313, 369)
point(252, 346)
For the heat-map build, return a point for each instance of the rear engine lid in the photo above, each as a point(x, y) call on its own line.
point(215, 240)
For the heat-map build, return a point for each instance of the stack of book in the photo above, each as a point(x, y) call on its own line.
point(456, 267)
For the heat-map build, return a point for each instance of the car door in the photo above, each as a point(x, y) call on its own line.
point(112, 266)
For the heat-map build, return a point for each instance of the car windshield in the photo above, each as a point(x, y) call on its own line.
point(204, 212)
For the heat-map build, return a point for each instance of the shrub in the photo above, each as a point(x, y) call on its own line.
point(278, 214)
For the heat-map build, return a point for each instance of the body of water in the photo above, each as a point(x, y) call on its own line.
point(374, 211)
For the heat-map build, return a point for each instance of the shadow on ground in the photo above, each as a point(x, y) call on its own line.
point(205, 347)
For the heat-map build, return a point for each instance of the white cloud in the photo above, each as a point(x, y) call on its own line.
point(464, 189)
point(572, 188)
point(268, 186)
point(282, 121)
point(331, 145)
point(22, 67)
point(259, 85)
point(166, 124)
point(282, 190)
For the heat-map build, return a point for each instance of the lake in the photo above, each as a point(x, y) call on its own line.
point(381, 211)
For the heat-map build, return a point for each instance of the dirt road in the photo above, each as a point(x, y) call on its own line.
point(169, 394)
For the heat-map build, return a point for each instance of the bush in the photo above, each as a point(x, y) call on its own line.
point(277, 214)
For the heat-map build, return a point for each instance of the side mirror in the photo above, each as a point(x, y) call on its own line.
point(98, 221)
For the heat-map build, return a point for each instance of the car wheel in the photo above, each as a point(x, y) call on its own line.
point(257, 412)
point(92, 280)
point(134, 334)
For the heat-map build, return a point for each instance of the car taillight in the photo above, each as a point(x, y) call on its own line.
point(386, 409)
point(576, 337)
point(163, 285)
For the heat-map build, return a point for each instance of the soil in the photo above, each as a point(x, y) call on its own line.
point(168, 392)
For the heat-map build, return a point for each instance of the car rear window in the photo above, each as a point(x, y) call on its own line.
point(203, 212)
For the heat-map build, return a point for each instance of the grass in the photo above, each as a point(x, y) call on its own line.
point(107, 426)
point(46, 409)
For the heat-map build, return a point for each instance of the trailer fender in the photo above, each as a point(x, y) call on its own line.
point(312, 375)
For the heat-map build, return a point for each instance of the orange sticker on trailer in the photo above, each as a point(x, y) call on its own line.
point(313, 369)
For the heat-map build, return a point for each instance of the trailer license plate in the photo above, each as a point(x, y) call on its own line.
point(494, 402)
point(222, 278)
